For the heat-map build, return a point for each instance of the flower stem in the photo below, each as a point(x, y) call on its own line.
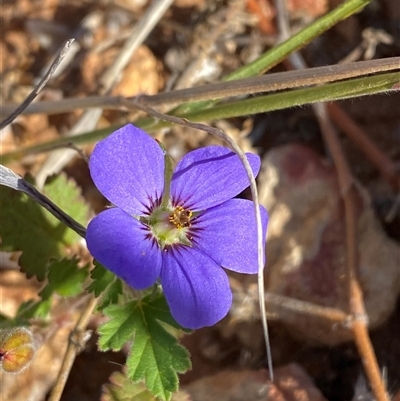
point(168, 169)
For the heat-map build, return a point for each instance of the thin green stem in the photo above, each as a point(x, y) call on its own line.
point(168, 171)
point(280, 52)
point(327, 93)
point(278, 101)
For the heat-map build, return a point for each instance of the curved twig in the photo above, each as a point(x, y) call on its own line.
point(39, 86)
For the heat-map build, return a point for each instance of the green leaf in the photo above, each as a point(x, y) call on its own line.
point(156, 356)
point(120, 327)
point(111, 294)
point(27, 227)
point(104, 284)
point(32, 309)
point(65, 278)
point(5, 322)
point(121, 388)
point(101, 277)
point(67, 196)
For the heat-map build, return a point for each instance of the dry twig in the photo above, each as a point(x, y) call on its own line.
point(241, 87)
point(386, 167)
point(63, 52)
point(359, 324)
point(88, 121)
point(359, 321)
point(77, 340)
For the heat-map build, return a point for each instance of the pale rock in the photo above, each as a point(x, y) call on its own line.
point(306, 248)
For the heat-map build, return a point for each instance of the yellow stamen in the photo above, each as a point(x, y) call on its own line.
point(180, 217)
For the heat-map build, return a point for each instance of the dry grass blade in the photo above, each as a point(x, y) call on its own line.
point(248, 86)
point(63, 52)
point(254, 192)
point(88, 121)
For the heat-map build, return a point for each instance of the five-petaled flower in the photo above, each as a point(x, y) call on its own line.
point(180, 227)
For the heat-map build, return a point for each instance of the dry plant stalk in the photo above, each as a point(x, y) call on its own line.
point(359, 318)
point(254, 192)
point(385, 166)
point(222, 90)
point(36, 90)
point(359, 323)
point(77, 340)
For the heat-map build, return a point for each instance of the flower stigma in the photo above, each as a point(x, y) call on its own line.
point(180, 217)
point(170, 226)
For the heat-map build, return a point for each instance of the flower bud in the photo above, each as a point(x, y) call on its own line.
point(17, 349)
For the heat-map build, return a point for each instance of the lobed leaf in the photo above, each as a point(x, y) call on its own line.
point(121, 388)
point(156, 356)
point(101, 277)
point(66, 194)
point(104, 284)
point(111, 294)
point(65, 278)
point(27, 227)
point(32, 309)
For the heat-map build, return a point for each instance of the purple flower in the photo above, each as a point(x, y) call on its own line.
point(178, 227)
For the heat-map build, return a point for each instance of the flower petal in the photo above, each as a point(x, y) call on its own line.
point(228, 234)
point(128, 169)
point(208, 176)
point(118, 241)
point(197, 290)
